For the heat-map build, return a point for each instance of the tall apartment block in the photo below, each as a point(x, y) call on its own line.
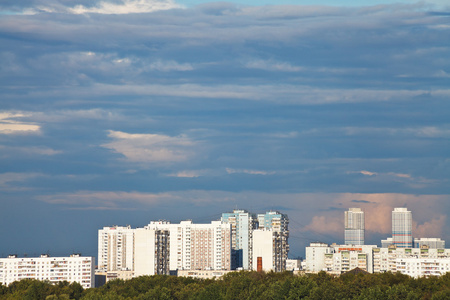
point(242, 225)
point(161, 247)
point(197, 246)
point(274, 220)
point(354, 226)
point(165, 248)
point(401, 227)
point(151, 252)
point(75, 268)
point(273, 229)
point(116, 249)
point(270, 250)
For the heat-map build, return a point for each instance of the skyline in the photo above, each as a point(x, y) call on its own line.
point(109, 116)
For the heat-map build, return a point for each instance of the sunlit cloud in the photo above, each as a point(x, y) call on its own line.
point(272, 66)
point(105, 200)
point(105, 7)
point(378, 212)
point(126, 7)
point(368, 173)
point(167, 66)
point(251, 172)
point(30, 150)
point(8, 124)
point(12, 181)
point(187, 174)
point(430, 229)
point(151, 148)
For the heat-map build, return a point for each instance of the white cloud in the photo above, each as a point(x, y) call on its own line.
point(108, 7)
point(401, 175)
point(252, 172)
point(431, 228)
point(308, 211)
point(378, 208)
point(8, 180)
point(126, 7)
point(171, 65)
point(282, 93)
point(425, 132)
point(187, 174)
point(368, 173)
point(31, 150)
point(106, 200)
point(270, 65)
point(10, 126)
point(151, 148)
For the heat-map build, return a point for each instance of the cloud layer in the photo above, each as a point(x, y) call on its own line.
point(119, 112)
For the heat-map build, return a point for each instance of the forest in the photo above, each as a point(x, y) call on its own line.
point(242, 285)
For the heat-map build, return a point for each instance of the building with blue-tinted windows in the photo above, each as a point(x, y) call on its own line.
point(401, 227)
point(242, 225)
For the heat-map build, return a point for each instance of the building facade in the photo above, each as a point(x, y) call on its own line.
point(75, 268)
point(337, 263)
point(354, 227)
point(433, 243)
point(197, 246)
point(337, 259)
point(278, 223)
point(315, 257)
point(151, 252)
point(116, 249)
point(402, 227)
point(293, 264)
point(270, 250)
point(274, 220)
point(242, 225)
point(415, 262)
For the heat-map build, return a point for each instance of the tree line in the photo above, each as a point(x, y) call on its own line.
point(242, 285)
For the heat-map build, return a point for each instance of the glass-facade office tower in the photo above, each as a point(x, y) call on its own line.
point(354, 226)
point(401, 227)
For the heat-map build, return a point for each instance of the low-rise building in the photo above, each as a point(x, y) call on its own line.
point(75, 268)
point(415, 262)
point(315, 257)
point(203, 274)
point(337, 259)
point(432, 243)
point(293, 264)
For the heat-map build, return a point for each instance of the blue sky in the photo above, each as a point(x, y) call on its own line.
point(123, 112)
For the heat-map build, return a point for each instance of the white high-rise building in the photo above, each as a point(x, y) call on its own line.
point(75, 268)
point(274, 220)
point(242, 225)
point(116, 249)
point(269, 250)
point(197, 246)
point(161, 247)
point(354, 226)
point(151, 252)
point(401, 227)
point(279, 223)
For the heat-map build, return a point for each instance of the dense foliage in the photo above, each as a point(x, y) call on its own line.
point(243, 285)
